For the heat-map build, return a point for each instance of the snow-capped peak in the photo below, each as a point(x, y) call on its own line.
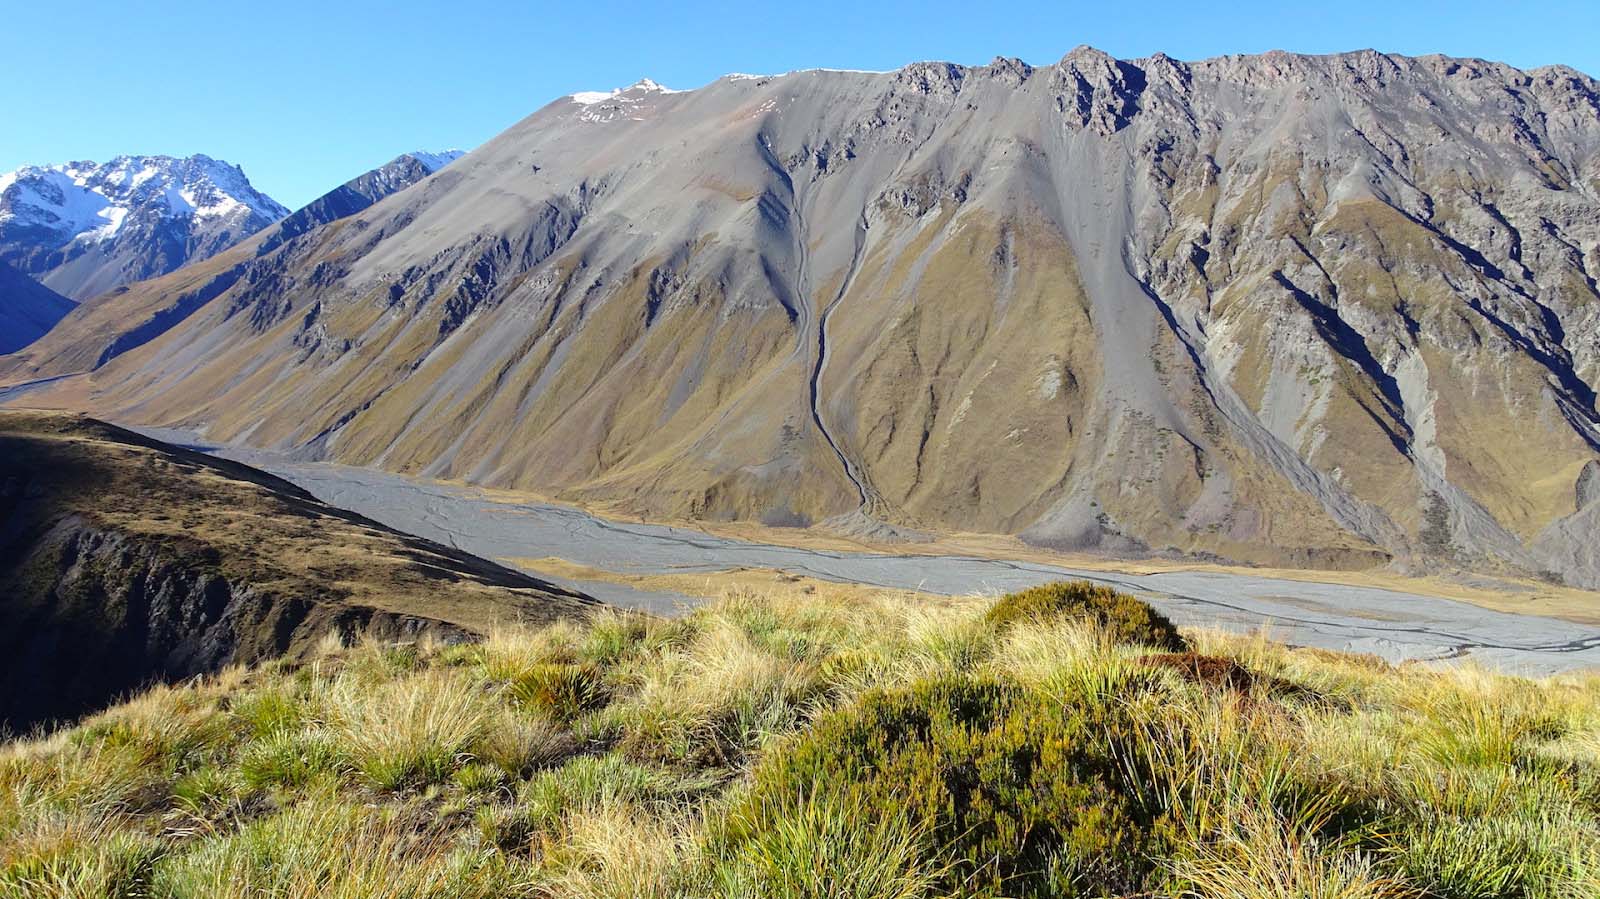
point(91, 201)
point(643, 85)
point(433, 162)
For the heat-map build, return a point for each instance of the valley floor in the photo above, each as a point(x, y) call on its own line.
point(615, 560)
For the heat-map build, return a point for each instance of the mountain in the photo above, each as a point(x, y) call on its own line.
point(83, 228)
point(27, 309)
point(358, 193)
point(1314, 310)
point(129, 316)
point(160, 563)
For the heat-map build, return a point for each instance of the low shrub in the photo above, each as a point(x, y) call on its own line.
point(1017, 795)
point(1129, 619)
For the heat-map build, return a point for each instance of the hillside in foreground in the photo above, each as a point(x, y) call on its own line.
point(125, 561)
point(1062, 742)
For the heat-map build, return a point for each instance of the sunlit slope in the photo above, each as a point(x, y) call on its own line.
point(1316, 310)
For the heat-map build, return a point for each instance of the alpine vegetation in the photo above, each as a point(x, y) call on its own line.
point(1061, 743)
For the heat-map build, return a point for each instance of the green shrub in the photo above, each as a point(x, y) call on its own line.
point(1129, 619)
point(1018, 795)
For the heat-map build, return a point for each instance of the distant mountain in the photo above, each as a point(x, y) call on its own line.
point(1329, 310)
point(27, 309)
point(83, 228)
point(113, 323)
point(360, 192)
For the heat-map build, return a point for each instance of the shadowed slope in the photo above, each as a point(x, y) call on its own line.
point(27, 309)
point(124, 560)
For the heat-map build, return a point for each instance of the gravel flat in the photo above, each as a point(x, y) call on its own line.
point(1391, 624)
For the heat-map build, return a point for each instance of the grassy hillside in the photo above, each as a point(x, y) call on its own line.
point(1064, 742)
point(158, 563)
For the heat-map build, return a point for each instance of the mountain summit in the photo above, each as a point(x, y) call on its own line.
point(82, 228)
point(1316, 310)
point(109, 325)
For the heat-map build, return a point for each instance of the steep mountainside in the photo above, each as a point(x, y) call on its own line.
point(124, 561)
point(27, 309)
point(358, 193)
point(113, 323)
point(83, 228)
point(1317, 310)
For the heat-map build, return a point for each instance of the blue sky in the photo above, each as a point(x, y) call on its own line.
point(305, 94)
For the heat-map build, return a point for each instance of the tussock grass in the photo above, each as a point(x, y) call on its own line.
point(407, 731)
point(823, 744)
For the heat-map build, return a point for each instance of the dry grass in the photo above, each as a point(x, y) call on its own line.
point(428, 770)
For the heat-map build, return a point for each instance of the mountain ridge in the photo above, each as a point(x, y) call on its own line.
point(82, 228)
point(1334, 310)
point(162, 563)
point(113, 323)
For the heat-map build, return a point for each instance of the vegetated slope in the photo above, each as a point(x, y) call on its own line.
point(125, 561)
point(83, 228)
point(27, 309)
point(803, 745)
point(1320, 310)
point(132, 315)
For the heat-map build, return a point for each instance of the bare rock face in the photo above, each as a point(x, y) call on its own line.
point(1588, 487)
point(1323, 310)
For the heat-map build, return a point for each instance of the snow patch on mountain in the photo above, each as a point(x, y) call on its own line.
point(643, 85)
point(433, 162)
point(83, 227)
point(92, 201)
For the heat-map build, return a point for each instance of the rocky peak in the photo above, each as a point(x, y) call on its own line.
point(1097, 91)
point(84, 227)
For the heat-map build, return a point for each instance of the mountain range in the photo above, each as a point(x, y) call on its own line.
point(112, 323)
point(83, 228)
point(1317, 310)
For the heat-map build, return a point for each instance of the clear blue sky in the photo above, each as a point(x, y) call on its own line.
point(307, 94)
